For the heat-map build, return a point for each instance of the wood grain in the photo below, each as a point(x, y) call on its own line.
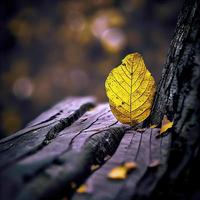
point(142, 148)
point(87, 141)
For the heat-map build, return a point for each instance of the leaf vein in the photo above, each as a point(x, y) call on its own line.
point(117, 95)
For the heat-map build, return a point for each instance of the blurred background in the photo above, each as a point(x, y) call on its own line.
point(52, 49)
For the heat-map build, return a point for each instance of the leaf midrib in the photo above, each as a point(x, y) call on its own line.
point(131, 93)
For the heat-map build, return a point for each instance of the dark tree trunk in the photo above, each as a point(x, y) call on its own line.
point(78, 141)
point(178, 97)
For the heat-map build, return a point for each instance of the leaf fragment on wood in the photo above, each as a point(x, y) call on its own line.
point(107, 157)
point(121, 172)
point(130, 165)
point(153, 126)
point(154, 163)
point(166, 124)
point(82, 189)
point(94, 167)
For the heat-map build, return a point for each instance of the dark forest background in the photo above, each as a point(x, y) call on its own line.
point(52, 49)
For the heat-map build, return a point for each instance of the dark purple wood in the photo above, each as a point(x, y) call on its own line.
point(142, 148)
point(79, 145)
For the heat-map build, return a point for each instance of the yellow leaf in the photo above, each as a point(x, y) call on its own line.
point(82, 189)
point(130, 88)
point(153, 126)
point(119, 172)
point(130, 165)
point(166, 124)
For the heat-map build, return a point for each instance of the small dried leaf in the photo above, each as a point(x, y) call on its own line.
point(130, 165)
point(94, 167)
point(154, 163)
point(130, 88)
point(119, 172)
point(153, 126)
point(107, 157)
point(82, 189)
point(166, 124)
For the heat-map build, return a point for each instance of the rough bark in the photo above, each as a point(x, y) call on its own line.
point(179, 97)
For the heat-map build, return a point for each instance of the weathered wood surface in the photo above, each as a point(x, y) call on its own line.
point(33, 137)
point(143, 148)
point(47, 163)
